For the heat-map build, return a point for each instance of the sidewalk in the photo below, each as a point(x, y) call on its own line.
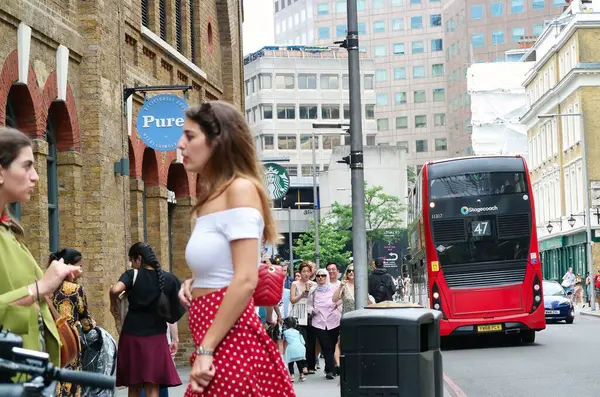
point(587, 311)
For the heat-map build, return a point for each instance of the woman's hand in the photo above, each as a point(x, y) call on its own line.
point(173, 347)
point(202, 373)
point(55, 275)
point(185, 293)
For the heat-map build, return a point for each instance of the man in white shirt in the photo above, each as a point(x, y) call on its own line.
point(334, 274)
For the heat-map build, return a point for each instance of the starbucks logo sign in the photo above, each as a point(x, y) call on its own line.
point(277, 180)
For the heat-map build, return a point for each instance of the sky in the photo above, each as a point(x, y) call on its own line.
point(258, 25)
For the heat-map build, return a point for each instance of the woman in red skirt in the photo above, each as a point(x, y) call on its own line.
point(234, 356)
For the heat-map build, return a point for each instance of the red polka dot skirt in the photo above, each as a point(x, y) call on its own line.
point(247, 362)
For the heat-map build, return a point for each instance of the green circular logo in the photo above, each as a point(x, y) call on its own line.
point(277, 180)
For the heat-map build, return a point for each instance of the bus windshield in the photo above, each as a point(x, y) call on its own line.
point(477, 184)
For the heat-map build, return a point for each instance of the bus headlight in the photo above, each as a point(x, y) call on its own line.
point(538, 298)
point(436, 306)
point(436, 295)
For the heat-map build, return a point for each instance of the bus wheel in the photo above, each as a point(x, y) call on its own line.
point(528, 337)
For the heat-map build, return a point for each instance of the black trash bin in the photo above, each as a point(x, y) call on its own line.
point(391, 351)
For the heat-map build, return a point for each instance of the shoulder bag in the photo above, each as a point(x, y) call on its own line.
point(69, 337)
point(124, 303)
point(269, 289)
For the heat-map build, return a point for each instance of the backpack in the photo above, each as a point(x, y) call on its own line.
point(382, 289)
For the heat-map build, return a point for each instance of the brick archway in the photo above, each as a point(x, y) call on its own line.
point(178, 180)
point(150, 170)
point(27, 98)
point(65, 117)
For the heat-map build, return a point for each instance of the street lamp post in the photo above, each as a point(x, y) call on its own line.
point(315, 200)
point(586, 197)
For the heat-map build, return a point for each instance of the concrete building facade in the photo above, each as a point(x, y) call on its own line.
point(565, 80)
point(288, 89)
point(63, 67)
point(479, 31)
point(405, 40)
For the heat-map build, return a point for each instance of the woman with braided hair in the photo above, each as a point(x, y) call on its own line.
point(144, 357)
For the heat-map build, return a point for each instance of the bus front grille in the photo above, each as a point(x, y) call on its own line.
point(484, 275)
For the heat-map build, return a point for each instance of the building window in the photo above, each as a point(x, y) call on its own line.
point(437, 69)
point(284, 81)
point(439, 94)
point(330, 112)
point(322, 8)
point(441, 144)
point(380, 50)
point(421, 145)
point(397, 3)
point(538, 29)
point(381, 100)
point(264, 81)
point(360, 5)
point(306, 170)
point(518, 34)
point(398, 24)
point(346, 112)
point(331, 141)
point(399, 49)
point(145, 13)
point(308, 112)
point(497, 8)
point(421, 121)
point(477, 12)
point(286, 112)
point(477, 40)
point(378, 4)
point(416, 22)
point(369, 112)
point(497, 37)
point(330, 82)
point(400, 98)
point(381, 75)
point(267, 112)
point(370, 140)
point(362, 29)
point(178, 26)
point(306, 142)
point(292, 169)
point(418, 72)
point(400, 73)
point(307, 81)
point(439, 119)
point(163, 19)
point(517, 6)
point(52, 175)
point(345, 82)
point(340, 31)
point(403, 145)
point(435, 20)
point(383, 124)
point(341, 6)
point(268, 142)
point(419, 96)
point(537, 4)
point(418, 47)
point(323, 32)
point(379, 27)
point(286, 142)
point(401, 122)
point(436, 45)
point(369, 82)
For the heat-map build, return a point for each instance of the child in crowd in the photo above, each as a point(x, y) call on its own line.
point(295, 349)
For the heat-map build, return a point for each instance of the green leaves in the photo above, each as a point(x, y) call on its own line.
point(332, 244)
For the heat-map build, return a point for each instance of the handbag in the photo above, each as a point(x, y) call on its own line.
point(124, 303)
point(269, 289)
point(69, 337)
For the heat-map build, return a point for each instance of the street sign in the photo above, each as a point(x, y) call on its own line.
point(160, 121)
point(277, 180)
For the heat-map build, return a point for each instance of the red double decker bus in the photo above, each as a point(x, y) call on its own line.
point(473, 246)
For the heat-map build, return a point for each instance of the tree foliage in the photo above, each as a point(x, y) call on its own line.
point(411, 176)
point(383, 213)
point(332, 243)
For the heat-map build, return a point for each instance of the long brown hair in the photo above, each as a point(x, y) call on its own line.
point(11, 143)
point(233, 156)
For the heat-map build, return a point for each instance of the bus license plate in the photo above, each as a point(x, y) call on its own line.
point(489, 328)
point(552, 311)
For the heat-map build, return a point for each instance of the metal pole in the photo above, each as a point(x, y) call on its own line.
point(291, 265)
point(588, 213)
point(357, 176)
point(315, 201)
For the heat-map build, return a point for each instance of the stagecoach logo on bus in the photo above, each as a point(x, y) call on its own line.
point(160, 121)
point(467, 210)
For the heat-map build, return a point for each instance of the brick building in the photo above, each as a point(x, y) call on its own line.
point(63, 68)
point(565, 80)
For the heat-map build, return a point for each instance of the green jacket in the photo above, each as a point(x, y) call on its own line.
point(18, 269)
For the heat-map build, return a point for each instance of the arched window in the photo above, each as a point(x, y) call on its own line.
point(163, 19)
point(179, 26)
point(192, 15)
point(52, 177)
point(11, 121)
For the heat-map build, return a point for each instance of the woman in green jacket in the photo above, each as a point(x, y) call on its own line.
point(23, 284)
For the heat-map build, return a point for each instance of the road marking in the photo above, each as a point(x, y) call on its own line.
point(454, 387)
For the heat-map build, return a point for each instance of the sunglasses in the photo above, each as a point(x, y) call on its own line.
point(350, 271)
point(321, 275)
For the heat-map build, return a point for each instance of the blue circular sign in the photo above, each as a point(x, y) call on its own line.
point(160, 121)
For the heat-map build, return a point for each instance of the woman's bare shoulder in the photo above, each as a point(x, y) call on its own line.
point(242, 192)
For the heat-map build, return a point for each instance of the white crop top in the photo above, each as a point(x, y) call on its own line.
point(208, 253)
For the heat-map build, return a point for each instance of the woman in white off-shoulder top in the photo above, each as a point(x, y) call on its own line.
point(234, 355)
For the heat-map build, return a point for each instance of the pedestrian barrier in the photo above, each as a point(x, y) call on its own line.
point(391, 349)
